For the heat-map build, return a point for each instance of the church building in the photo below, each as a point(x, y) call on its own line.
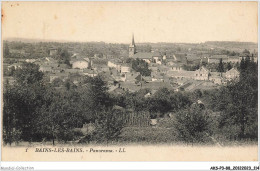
point(149, 57)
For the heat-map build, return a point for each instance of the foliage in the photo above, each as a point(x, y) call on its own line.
point(160, 102)
point(109, 125)
point(63, 56)
point(94, 94)
point(6, 52)
point(229, 66)
point(56, 117)
point(141, 66)
point(237, 103)
point(20, 104)
point(220, 66)
point(192, 125)
point(28, 74)
point(57, 82)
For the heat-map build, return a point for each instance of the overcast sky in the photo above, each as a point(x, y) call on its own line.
point(116, 21)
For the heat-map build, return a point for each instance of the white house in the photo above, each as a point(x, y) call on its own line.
point(201, 74)
point(124, 69)
point(232, 74)
point(80, 64)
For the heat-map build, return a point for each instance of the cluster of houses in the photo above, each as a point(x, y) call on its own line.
point(167, 70)
point(55, 70)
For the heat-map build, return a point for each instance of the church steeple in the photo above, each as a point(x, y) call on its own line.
point(132, 49)
point(133, 40)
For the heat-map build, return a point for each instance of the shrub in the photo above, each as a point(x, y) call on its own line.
point(192, 125)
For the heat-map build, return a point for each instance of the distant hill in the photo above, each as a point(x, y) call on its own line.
point(231, 45)
point(227, 45)
point(25, 40)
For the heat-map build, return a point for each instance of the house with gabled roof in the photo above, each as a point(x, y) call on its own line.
point(232, 74)
point(201, 74)
point(176, 67)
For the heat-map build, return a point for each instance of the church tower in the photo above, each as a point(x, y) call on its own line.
point(132, 48)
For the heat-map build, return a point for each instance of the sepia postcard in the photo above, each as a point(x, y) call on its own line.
point(129, 81)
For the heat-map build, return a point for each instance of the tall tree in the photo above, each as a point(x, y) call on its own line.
point(94, 96)
point(10, 117)
point(6, 50)
point(54, 117)
point(229, 66)
point(63, 56)
point(22, 100)
point(220, 66)
point(109, 125)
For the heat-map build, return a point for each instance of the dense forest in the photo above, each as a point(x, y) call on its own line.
point(34, 110)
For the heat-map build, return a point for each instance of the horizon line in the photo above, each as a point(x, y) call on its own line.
point(80, 41)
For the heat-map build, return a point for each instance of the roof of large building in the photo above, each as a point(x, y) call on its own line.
point(146, 55)
point(181, 73)
point(202, 69)
point(143, 55)
point(156, 54)
point(157, 85)
point(233, 70)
